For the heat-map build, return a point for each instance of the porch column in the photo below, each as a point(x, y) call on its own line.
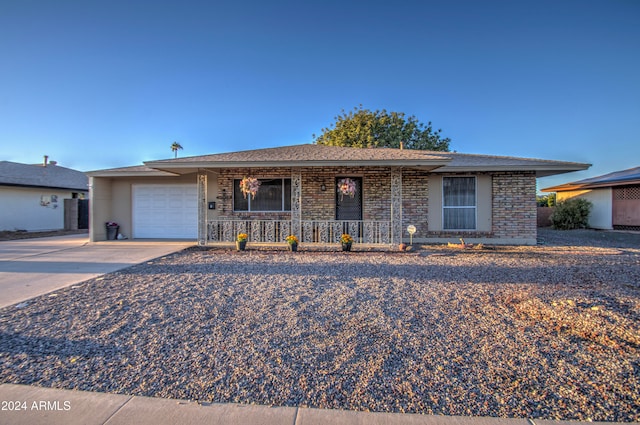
point(396, 205)
point(296, 202)
point(202, 207)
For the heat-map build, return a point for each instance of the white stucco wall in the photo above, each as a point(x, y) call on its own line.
point(602, 200)
point(32, 209)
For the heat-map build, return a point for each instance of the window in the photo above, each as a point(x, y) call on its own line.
point(273, 195)
point(459, 203)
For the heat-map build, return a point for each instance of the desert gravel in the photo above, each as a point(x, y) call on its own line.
point(551, 331)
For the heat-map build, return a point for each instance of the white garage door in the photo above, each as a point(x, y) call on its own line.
point(165, 211)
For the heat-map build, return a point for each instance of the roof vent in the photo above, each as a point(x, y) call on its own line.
point(46, 160)
point(53, 162)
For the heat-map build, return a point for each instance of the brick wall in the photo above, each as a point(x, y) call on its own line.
point(316, 203)
point(514, 205)
point(415, 202)
point(225, 181)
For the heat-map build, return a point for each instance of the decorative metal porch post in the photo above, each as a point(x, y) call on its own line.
point(396, 205)
point(296, 202)
point(202, 207)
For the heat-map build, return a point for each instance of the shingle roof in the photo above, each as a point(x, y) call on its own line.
point(461, 162)
point(51, 176)
point(136, 170)
point(320, 155)
point(309, 153)
point(616, 178)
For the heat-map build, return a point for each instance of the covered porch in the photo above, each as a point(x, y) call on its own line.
point(314, 210)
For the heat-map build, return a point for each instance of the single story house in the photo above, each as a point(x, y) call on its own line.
point(615, 198)
point(33, 196)
point(318, 192)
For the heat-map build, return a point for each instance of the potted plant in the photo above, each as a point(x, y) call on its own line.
point(241, 241)
point(292, 240)
point(346, 240)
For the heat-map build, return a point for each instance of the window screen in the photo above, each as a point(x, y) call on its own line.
point(459, 203)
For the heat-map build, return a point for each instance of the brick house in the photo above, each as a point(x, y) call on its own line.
point(445, 195)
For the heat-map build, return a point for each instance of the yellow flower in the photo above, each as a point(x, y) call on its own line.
point(346, 238)
point(242, 237)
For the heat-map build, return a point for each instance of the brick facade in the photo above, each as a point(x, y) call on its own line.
point(513, 205)
point(415, 202)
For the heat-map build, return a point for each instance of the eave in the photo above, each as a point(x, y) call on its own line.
point(574, 186)
point(541, 171)
point(192, 167)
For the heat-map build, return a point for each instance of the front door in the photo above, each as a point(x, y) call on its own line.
point(347, 207)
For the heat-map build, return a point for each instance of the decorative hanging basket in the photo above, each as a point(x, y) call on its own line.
point(249, 186)
point(347, 187)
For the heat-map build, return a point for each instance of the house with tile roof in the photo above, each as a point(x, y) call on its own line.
point(318, 192)
point(615, 198)
point(33, 196)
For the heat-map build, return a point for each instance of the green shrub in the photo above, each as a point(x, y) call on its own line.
point(571, 214)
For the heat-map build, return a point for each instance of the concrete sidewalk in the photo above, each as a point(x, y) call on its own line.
point(26, 405)
point(32, 267)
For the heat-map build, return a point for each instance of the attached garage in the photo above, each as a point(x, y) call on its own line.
point(165, 211)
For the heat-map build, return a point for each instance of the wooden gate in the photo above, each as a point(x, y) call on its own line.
point(626, 208)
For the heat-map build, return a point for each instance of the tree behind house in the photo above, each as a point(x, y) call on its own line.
point(362, 128)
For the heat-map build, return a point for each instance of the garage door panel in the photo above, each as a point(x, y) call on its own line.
point(165, 211)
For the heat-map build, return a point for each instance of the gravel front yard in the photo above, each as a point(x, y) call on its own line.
point(545, 332)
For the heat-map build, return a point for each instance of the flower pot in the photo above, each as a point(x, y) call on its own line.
point(293, 247)
point(346, 246)
point(241, 245)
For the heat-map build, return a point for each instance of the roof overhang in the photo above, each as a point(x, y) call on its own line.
point(577, 186)
point(34, 186)
point(541, 171)
point(130, 173)
point(192, 167)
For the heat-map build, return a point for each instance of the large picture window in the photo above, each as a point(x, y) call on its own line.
point(273, 195)
point(459, 203)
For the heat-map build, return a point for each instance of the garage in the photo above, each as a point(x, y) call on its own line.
point(165, 211)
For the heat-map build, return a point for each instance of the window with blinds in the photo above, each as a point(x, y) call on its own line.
point(459, 203)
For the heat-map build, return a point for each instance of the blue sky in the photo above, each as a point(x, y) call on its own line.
point(107, 84)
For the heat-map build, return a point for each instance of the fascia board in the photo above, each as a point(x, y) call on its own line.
point(323, 163)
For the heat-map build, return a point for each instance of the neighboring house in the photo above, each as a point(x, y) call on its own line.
point(615, 198)
point(32, 196)
point(445, 195)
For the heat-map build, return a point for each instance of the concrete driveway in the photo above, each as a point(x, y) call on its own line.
point(32, 267)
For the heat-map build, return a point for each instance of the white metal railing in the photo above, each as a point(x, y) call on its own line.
point(329, 231)
point(312, 231)
point(257, 230)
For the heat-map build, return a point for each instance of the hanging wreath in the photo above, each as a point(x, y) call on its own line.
point(249, 186)
point(346, 187)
